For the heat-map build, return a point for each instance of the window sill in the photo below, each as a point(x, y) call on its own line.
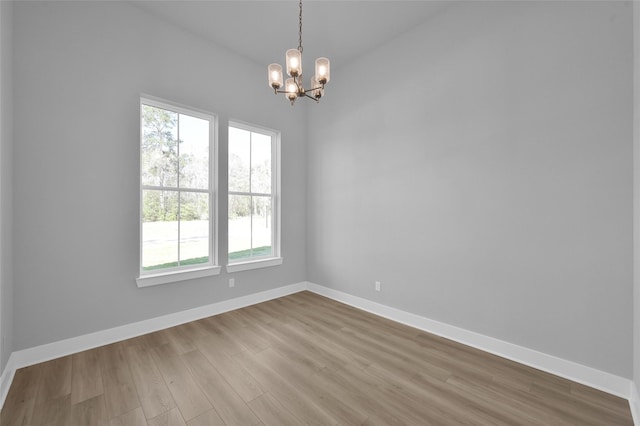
point(254, 264)
point(172, 277)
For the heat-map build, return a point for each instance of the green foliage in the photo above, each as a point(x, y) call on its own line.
point(159, 205)
point(194, 206)
point(256, 252)
point(243, 180)
point(164, 206)
point(194, 261)
point(246, 205)
point(238, 174)
point(239, 206)
point(159, 146)
point(161, 165)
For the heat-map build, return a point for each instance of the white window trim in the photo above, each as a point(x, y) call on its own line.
point(151, 278)
point(148, 280)
point(276, 259)
point(254, 264)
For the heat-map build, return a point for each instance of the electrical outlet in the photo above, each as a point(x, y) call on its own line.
point(377, 285)
point(232, 282)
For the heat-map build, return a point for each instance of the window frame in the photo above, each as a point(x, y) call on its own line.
point(184, 272)
point(276, 235)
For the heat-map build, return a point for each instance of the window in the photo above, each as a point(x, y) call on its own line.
point(254, 201)
point(177, 193)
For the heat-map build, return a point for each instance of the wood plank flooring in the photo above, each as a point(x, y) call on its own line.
point(300, 359)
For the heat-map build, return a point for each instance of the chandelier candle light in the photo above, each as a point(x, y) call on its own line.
point(293, 86)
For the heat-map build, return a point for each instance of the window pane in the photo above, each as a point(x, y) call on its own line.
point(239, 159)
point(159, 147)
point(194, 228)
point(194, 152)
point(239, 226)
point(261, 227)
point(159, 229)
point(260, 163)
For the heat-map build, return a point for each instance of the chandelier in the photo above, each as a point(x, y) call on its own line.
point(293, 86)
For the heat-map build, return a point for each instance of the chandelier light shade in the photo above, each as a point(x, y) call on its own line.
point(322, 70)
point(316, 87)
point(293, 86)
point(294, 62)
point(275, 76)
point(291, 89)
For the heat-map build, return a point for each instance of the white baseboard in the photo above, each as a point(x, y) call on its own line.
point(601, 380)
point(6, 378)
point(634, 403)
point(26, 357)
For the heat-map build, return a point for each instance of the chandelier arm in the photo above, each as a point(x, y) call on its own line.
point(283, 92)
point(311, 97)
point(277, 91)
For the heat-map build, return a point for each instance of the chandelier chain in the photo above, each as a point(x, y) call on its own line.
point(300, 29)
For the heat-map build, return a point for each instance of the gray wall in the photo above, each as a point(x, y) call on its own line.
point(79, 69)
point(480, 167)
point(6, 148)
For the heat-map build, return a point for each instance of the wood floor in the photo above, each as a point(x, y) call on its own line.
point(301, 359)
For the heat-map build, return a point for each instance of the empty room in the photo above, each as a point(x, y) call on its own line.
point(322, 212)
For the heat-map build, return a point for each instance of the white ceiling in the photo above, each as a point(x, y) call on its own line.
point(263, 30)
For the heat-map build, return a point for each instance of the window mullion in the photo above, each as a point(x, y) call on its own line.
point(211, 187)
point(178, 185)
point(255, 194)
point(173, 188)
point(251, 192)
point(251, 224)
